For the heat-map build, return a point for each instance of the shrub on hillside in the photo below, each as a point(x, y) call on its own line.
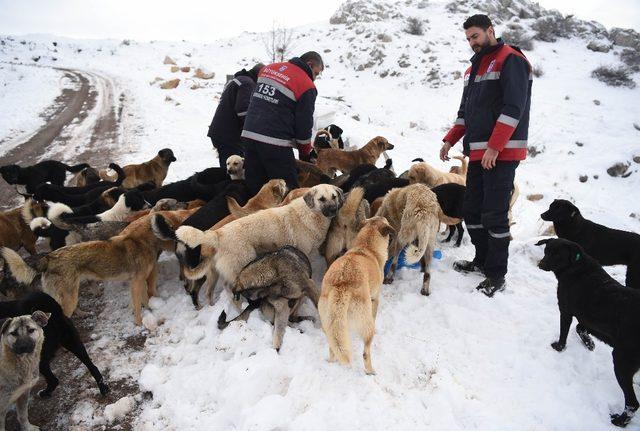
point(550, 28)
point(518, 37)
point(614, 76)
point(631, 57)
point(414, 26)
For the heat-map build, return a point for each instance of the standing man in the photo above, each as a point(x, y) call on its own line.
point(494, 120)
point(228, 120)
point(280, 118)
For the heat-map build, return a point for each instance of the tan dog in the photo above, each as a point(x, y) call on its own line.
point(302, 224)
point(351, 292)
point(462, 169)
point(130, 256)
point(269, 196)
point(22, 339)
point(330, 160)
point(14, 226)
point(155, 170)
point(424, 173)
point(85, 177)
point(344, 227)
point(375, 206)
point(414, 212)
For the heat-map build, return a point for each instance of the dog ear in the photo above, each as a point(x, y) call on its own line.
point(544, 241)
point(41, 318)
point(309, 198)
point(5, 326)
point(386, 229)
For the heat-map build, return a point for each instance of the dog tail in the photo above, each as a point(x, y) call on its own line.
point(23, 273)
point(161, 229)
point(419, 233)
point(120, 175)
point(464, 167)
point(194, 237)
point(222, 319)
point(76, 168)
point(335, 322)
point(57, 213)
point(417, 159)
point(235, 209)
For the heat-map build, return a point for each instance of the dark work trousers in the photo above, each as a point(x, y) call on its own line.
point(226, 150)
point(486, 209)
point(264, 162)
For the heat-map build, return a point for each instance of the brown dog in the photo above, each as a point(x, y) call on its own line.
point(344, 227)
point(14, 226)
point(155, 170)
point(310, 175)
point(351, 292)
point(330, 160)
point(131, 256)
point(415, 213)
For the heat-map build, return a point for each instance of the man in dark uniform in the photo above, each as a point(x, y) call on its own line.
point(279, 119)
point(494, 120)
point(228, 120)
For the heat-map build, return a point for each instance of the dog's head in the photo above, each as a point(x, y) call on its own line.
point(134, 200)
point(10, 173)
point(381, 143)
point(273, 192)
point(560, 211)
point(23, 334)
point(235, 167)
point(166, 155)
point(381, 226)
point(560, 254)
point(325, 199)
point(322, 139)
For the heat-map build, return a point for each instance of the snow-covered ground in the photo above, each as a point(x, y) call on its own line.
point(26, 93)
point(454, 360)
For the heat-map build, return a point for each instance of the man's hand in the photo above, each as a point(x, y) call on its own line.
point(444, 151)
point(489, 158)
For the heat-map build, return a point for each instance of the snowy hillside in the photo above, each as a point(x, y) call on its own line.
point(453, 361)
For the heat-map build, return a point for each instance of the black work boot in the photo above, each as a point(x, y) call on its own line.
point(467, 267)
point(490, 285)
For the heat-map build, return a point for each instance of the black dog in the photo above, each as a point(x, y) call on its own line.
point(59, 331)
point(77, 196)
point(376, 176)
point(603, 308)
point(201, 185)
point(379, 189)
point(355, 175)
point(32, 176)
point(608, 246)
point(451, 198)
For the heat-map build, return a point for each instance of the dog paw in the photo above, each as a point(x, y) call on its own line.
point(620, 420)
point(104, 389)
point(558, 346)
point(370, 372)
point(425, 292)
point(388, 280)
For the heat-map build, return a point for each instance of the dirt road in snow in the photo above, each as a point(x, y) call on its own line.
point(81, 126)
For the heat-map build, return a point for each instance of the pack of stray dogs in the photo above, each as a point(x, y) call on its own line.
point(113, 224)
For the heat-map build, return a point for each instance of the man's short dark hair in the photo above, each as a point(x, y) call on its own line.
point(313, 57)
point(479, 20)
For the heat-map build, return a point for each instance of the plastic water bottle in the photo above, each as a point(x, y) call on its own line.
point(402, 263)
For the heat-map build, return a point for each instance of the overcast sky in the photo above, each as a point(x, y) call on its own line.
point(207, 20)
